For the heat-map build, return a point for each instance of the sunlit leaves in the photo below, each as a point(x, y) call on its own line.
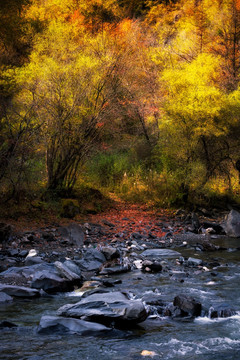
point(192, 96)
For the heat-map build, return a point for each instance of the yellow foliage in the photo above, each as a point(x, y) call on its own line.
point(195, 101)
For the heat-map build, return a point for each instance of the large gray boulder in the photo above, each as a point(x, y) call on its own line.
point(66, 273)
point(92, 260)
point(187, 305)
point(19, 291)
point(74, 233)
point(57, 324)
point(33, 260)
point(71, 265)
point(110, 252)
point(160, 254)
point(50, 282)
point(106, 308)
point(232, 224)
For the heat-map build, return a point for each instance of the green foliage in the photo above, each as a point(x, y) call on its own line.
point(108, 169)
point(70, 208)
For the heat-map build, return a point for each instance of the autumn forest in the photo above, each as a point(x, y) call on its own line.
point(136, 98)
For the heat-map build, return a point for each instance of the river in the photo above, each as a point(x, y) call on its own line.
point(160, 337)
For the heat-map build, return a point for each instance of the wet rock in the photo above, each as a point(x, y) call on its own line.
point(221, 311)
point(207, 246)
point(232, 224)
point(172, 311)
point(59, 325)
point(4, 298)
point(153, 299)
point(188, 305)
point(106, 281)
point(13, 252)
point(33, 260)
point(28, 271)
point(217, 228)
point(19, 291)
point(179, 276)
point(50, 282)
point(71, 265)
point(156, 305)
point(23, 253)
point(106, 308)
point(111, 283)
point(110, 252)
point(160, 253)
point(7, 324)
point(153, 266)
point(194, 262)
point(92, 260)
point(66, 273)
point(118, 269)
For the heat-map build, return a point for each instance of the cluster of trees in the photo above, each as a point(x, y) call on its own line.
point(141, 86)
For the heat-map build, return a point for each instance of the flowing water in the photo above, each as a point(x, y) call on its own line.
point(163, 338)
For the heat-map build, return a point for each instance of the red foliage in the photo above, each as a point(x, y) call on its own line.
point(128, 219)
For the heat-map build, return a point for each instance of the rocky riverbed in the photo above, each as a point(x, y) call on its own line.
point(107, 277)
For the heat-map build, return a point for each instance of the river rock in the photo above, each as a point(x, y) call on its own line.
point(154, 266)
point(58, 324)
point(118, 269)
point(71, 265)
point(92, 260)
point(194, 262)
point(65, 272)
point(33, 260)
point(188, 305)
point(19, 291)
point(73, 232)
point(7, 324)
point(217, 228)
point(50, 282)
point(155, 303)
point(32, 253)
point(160, 253)
point(106, 308)
point(110, 252)
point(232, 224)
point(4, 298)
point(221, 311)
point(26, 272)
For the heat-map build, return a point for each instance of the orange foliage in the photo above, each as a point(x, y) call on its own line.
point(99, 124)
point(238, 5)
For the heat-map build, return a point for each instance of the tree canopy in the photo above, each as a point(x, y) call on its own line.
point(146, 89)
